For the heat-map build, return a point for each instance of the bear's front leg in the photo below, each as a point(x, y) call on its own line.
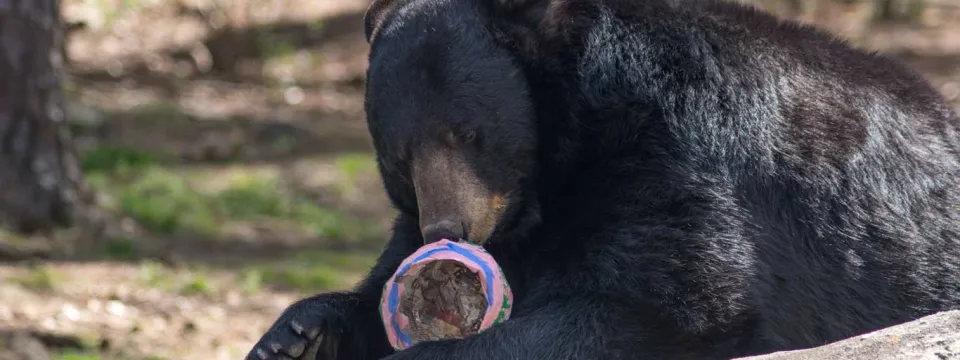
point(585, 328)
point(326, 326)
point(340, 326)
point(565, 329)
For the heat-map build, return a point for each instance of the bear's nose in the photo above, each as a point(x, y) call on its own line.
point(444, 229)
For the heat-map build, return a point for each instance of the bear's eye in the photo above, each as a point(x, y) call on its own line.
point(454, 138)
point(468, 136)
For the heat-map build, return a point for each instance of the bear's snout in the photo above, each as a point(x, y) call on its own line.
point(443, 229)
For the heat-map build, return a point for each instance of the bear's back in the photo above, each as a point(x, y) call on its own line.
point(845, 163)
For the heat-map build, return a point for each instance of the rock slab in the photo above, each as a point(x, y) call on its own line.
point(934, 337)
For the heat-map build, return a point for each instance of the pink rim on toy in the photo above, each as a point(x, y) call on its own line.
point(474, 257)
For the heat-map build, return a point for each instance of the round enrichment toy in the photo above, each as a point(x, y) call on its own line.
point(445, 290)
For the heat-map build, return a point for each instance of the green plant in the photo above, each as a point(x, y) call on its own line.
point(163, 202)
point(77, 355)
point(117, 158)
point(254, 197)
point(121, 248)
point(40, 277)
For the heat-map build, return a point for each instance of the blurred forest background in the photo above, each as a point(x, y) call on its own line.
point(215, 166)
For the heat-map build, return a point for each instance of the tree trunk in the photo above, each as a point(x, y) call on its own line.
point(39, 176)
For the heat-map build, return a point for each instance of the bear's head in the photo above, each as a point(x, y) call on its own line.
point(451, 120)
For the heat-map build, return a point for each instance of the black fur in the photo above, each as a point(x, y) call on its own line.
point(710, 182)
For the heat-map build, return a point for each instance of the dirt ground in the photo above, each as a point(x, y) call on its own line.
point(256, 109)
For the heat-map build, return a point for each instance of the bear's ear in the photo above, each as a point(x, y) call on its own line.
point(375, 15)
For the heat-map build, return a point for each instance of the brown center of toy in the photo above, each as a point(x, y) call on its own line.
point(444, 300)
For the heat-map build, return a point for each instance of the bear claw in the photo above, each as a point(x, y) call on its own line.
point(299, 339)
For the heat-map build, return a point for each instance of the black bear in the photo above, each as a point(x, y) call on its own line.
point(660, 179)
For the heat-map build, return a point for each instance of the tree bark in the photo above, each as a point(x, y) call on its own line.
point(39, 176)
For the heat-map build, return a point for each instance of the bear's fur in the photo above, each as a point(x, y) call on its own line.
point(700, 181)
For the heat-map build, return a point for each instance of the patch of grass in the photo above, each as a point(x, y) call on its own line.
point(195, 284)
point(155, 275)
point(40, 277)
point(77, 127)
point(316, 26)
point(164, 203)
point(252, 281)
point(113, 159)
point(313, 278)
point(90, 354)
point(88, 340)
point(351, 166)
point(10, 237)
point(320, 222)
point(186, 282)
point(350, 169)
point(77, 355)
point(252, 197)
point(275, 46)
point(111, 11)
point(121, 249)
point(266, 197)
point(317, 271)
point(159, 199)
point(99, 180)
point(328, 224)
point(285, 143)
